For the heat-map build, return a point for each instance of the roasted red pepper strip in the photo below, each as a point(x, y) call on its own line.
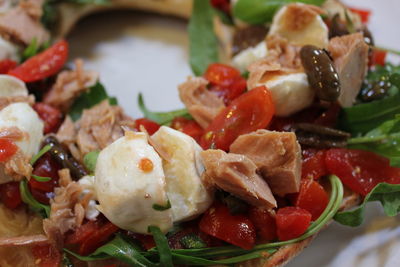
point(292, 222)
point(42, 65)
point(235, 229)
point(312, 197)
point(10, 195)
point(247, 113)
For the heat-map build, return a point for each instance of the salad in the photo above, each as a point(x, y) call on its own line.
point(299, 128)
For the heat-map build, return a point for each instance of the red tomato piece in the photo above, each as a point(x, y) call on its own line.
point(43, 65)
point(292, 222)
point(313, 165)
point(223, 5)
point(10, 195)
point(312, 197)
point(147, 241)
point(329, 117)
point(234, 229)
point(6, 65)
point(7, 149)
point(225, 81)
point(51, 117)
point(150, 126)
point(378, 57)
point(189, 127)
point(364, 13)
point(247, 113)
point(46, 256)
point(82, 232)
point(360, 170)
point(97, 239)
point(264, 223)
point(46, 166)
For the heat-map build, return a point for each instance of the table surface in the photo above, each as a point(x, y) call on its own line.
point(136, 52)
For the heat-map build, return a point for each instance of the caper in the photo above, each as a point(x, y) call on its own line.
point(321, 73)
point(64, 159)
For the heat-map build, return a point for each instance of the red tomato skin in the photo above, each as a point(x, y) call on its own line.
point(223, 5)
point(377, 57)
point(189, 127)
point(43, 65)
point(364, 13)
point(247, 113)
point(292, 222)
point(264, 223)
point(313, 166)
point(7, 149)
point(10, 195)
point(51, 117)
point(150, 126)
point(97, 239)
point(234, 229)
point(360, 170)
point(6, 65)
point(312, 197)
point(225, 81)
point(45, 167)
point(46, 255)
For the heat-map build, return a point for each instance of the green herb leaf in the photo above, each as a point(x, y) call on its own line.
point(387, 194)
point(161, 207)
point(203, 42)
point(90, 160)
point(118, 248)
point(42, 151)
point(192, 241)
point(162, 246)
point(86, 100)
point(162, 118)
point(384, 140)
point(40, 178)
point(263, 11)
point(27, 198)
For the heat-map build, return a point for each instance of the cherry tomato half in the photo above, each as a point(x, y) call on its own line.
point(189, 127)
point(313, 165)
point(10, 195)
point(6, 65)
point(150, 126)
point(43, 65)
point(247, 113)
point(51, 117)
point(292, 222)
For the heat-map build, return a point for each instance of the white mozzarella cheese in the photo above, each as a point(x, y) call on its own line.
point(22, 116)
point(87, 183)
point(290, 92)
point(186, 191)
point(314, 33)
point(8, 50)
point(11, 86)
point(126, 191)
point(249, 55)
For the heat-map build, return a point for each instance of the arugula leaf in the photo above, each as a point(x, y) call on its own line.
point(162, 246)
point(118, 248)
point(365, 117)
point(86, 100)
point(192, 241)
point(43, 210)
point(384, 140)
point(90, 160)
point(203, 42)
point(162, 118)
point(40, 178)
point(387, 194)
point(262, 11)
point(42, 151)
point(161, 207)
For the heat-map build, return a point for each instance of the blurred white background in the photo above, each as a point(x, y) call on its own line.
point(136, 52)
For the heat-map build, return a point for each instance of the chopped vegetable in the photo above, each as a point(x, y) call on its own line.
point(26, 196)
point(378, 57)
point(10, 195)
point(162, 246)
point(313, 166)
point(46, 255)
point(387, 194)
point(7, 149)
point(312, 197)
point(292, 222)
point(6, 65)
point(192, 241)
point(188, 126)
point(364, 13)
point(51, 117)
point(150, 126)
point(42, 65)
point(264, 223)
point(203, 42)
point(249, 112)
point(90, 160)
point(40, 178)
point(218, 222)
point(161, 207)
point(42, 151)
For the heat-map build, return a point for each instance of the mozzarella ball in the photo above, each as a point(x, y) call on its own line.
point(290, 93)
point(129, 181)
point(11, 86)
point(186, 191)
point(249, 55)
point(300, 28)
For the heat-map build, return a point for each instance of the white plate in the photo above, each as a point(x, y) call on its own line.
point(136, 52)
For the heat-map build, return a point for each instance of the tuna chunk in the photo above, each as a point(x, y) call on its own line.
point(276, 154)
point(350, 56)
point(202, 104)
point(237, 175)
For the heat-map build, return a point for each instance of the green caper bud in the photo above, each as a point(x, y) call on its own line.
point(321, 73)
